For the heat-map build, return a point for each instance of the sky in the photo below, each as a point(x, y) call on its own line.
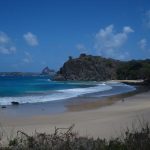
point(39, 33)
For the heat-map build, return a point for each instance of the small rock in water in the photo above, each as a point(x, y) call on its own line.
point(3, 107)
point(15, 103)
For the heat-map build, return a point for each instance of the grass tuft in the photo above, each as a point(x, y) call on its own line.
point(66, 139)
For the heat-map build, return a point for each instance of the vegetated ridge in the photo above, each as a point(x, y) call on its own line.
point(97, 68)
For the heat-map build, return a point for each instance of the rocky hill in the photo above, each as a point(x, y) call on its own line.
point(88, 67)
point(96, 68)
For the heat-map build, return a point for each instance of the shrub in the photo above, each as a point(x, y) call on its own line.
point(66, 139)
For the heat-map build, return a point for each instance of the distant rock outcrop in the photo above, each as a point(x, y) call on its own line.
point(47, 71)
point(96, 68)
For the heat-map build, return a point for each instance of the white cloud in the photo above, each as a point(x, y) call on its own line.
point(4, 38)
point(80, 47)
point(31, 39)
point(147, 19)
point(144, 46)
point(127, 29)
point(143, 43)
point(7, 50)
point(108, 42)
point(28, 58)
point(6, 46)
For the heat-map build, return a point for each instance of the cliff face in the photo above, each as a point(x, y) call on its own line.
point(96, 68)
point(87, 67)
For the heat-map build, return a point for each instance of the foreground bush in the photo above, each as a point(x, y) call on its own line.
point(137, 139)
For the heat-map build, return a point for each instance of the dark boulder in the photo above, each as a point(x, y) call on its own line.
point(15, 103)
point(3, 107)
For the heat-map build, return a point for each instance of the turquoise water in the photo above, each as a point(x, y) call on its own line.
point(42, 89)
point(19, 86)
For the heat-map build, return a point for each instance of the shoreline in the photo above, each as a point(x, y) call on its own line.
point(105, 100)
point(83, 102)
point(46, 97)
point(101, 122)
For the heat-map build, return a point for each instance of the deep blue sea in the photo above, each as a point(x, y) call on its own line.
point(35, 89)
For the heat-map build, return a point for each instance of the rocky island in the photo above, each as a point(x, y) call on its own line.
point(47, 71)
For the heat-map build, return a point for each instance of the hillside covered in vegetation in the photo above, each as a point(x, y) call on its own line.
point(97, 68)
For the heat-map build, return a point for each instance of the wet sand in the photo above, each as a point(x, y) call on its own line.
point(82, 104)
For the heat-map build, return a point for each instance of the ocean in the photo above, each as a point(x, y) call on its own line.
point(35, 89)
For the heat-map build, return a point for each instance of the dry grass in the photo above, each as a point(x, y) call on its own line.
point(66, 139)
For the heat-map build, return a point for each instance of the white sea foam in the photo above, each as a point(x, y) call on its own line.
point(57, 95)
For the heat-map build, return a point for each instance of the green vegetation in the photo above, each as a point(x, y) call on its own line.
point(135, 69)
point(137, 139)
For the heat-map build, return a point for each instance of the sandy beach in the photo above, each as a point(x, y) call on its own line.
point(104, 122)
